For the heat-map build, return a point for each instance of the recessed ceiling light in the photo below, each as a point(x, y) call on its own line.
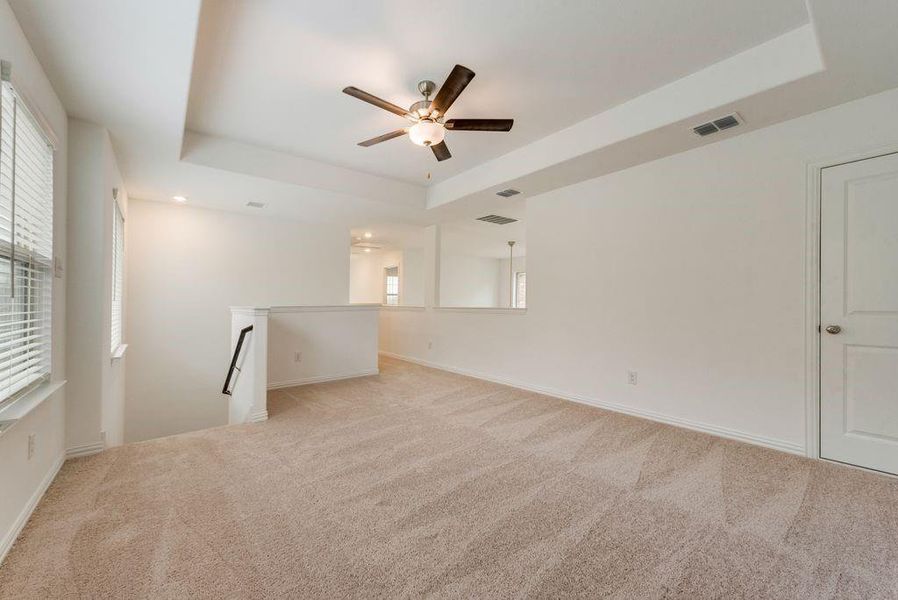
point(179, 199)
point(368, 235)
point(367, 249)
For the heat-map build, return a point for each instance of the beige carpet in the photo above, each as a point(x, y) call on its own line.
point(419, 483)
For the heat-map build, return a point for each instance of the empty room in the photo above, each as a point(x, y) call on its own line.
point(392, 299)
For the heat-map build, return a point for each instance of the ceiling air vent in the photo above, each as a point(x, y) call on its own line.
point(706, 129)
point(508, 193)
point(726, 122)
point(256, 204)
point(497, 219)
point(717, 125)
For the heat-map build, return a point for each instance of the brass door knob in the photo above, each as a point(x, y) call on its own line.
point(833, 329)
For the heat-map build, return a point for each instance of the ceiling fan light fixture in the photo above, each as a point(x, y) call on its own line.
point(427, 133)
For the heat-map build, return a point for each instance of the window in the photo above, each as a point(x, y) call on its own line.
point(26, 246)
point(118, 273)
point(391, 286)
point(520, 289)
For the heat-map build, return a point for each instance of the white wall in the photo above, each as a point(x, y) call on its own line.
point(96, 394)
point(689, 270)
point(23, 480)
point(411, 280)
point(471, 257)
point(186, 267)
point(469, 280)
point(332, 343)
point(366, 276)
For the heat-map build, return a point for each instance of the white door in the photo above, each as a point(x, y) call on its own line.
point(859, 313)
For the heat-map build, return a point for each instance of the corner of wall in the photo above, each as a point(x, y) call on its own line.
point(96, 383)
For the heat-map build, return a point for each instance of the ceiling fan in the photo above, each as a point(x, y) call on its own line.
point(428, 116)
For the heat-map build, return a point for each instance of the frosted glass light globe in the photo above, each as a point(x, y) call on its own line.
point(427, 133)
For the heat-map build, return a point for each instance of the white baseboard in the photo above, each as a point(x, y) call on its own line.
point(84, 450)
point(320, 379)
point(258, 416)
point(9, 538)
point(724, 432)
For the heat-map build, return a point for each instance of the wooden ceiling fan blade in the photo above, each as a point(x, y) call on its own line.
point(458, 80)
point(383, 138)
point(378, 102)
point(441, 151)
point(479, 124)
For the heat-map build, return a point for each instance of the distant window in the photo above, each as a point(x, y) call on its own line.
point(520, 289)
point(391, 286)
point(118, 273)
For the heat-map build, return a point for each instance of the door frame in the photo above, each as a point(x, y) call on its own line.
point(813, 241)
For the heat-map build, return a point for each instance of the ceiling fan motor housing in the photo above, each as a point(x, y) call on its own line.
point(421, 108)
point(427, 88)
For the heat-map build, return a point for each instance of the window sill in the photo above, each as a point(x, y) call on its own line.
point(119, 352)
point(483, 310)
point(19, 408)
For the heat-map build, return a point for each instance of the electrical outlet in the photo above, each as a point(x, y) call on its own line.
point(297, 357)
point(430, 345)
point(30, 445)
point(632, 377)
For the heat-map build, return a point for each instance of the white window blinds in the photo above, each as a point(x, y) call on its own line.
point(26, 247)
point(520, 289)
point(118, 273)
point(391, 286)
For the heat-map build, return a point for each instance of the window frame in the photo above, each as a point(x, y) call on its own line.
point(118, 280)
point(387, 293)
point(516, 300)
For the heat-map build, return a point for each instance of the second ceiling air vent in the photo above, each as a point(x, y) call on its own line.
point(508, 193)
point(717, 125)
point(497, 219)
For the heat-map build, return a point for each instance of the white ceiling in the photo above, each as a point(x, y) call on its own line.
point(256, 112)
point(270, 72)
point(123, 64)
point(476, 238)
point(389, 236)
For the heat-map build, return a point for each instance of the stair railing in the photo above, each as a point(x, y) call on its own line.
point(234, 367)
